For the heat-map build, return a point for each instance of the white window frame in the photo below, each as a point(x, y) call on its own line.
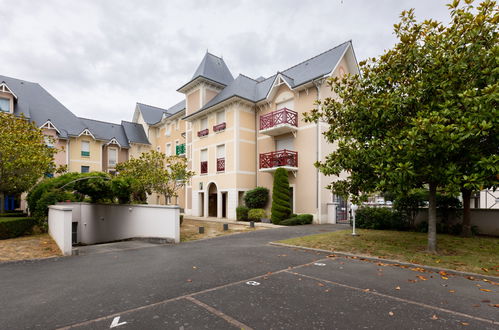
point(168, 130)
point(201, 121)
point(222, 113)
point(109, 156)
point(168, 149)
point(9, 110)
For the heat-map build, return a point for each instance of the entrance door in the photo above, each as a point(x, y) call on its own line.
point(224, 205)
point(212, 200)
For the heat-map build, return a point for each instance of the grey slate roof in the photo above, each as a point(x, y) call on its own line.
point(304, 72)
point(134, 132)
point(151, 114)
point(39, 106)
point(106, 131)
point(212, 68)
point(176, 108)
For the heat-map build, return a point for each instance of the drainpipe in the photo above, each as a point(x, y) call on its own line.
point(317, 84)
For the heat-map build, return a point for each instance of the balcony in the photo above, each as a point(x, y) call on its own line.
point(203, 132)
point(204, 167)
point(220, 164)
point(286, 159)
point(279, 122)
point(220, 127)
point(180, 149)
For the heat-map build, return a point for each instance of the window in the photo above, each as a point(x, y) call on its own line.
point(48, 141)
point(168, 130)
point(85, 169)
point(158, 149)
point(221, 158)
point(177, 122)
point(4, 105)
point(204, 161)
point(204, 123)
point(220, 117)
point(168, 150)
point(286, 143)
point(112, 155)
point(85, 148)
point(289, 104)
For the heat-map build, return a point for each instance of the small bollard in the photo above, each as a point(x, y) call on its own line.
point(201, 230)
point(226, 226)
point(252, 224)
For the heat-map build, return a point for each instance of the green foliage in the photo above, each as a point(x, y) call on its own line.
point(14, 227)
point(242, 213)
point(24, 156)
point(302, 219)
point(12, 215)
point(256, 198)
point(95, 185)
point(410, 203)
point(380, 218)
point(423, 113)
point(281, 200)
point(154, 172)
point(122, 189)
point(444, 228)
point(256, 214)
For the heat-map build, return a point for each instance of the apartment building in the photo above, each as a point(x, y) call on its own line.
point(84, 145)
point(235, 132)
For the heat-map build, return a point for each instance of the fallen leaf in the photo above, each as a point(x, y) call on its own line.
point(478, 285)
point(327, 290)
point(422, 278)
point(331, 256)
point(418, 269)
point(189, 280)
point(486, 301)
point(366, 290)
point(485, 270)
point(320, 284)
point(465, 323)
point(495, 305)
point(452, 291)
point(444, 278)
point(471, 278)
point(390, 313)
point(476, 305)
point(434, 317)
point(194, 267)
point(397, 288)
point(493, 283)
point(485, 280)
point(442, 273)
point(412, 281)
point(485, 290)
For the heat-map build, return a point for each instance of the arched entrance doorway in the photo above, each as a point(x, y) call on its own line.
point(212, 200)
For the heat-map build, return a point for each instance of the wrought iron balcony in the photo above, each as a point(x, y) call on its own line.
point(220, 127)
point(203, 132)
point(279, 122)
point(287, 159)
point(204, 167)
point(220, 164)
point(180, 149)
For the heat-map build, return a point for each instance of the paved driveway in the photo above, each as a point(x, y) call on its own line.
point(234, 282)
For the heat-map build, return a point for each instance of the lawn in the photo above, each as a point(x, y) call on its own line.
point(28, 247)
point(189, 230)
point(476, 254)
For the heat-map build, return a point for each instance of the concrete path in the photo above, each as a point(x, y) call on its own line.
point(235, 282)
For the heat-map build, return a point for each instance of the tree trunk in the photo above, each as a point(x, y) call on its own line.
point(466, 230)
point(432, 219)
point(2, 203)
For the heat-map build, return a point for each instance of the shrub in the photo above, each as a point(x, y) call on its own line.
point(256, 214)
point(242, 213)
point(13, 215)
point(380, 218)
point(15, 227)
point(97, 187)
point(256, 198)
point(122, 189)
point(281, 201)
point(302, 219)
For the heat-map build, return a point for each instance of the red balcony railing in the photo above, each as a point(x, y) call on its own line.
point(220, 164)
point(279, 158)
point(282, 116)
point(204, 167)
point(219, 127)
point(203, 132)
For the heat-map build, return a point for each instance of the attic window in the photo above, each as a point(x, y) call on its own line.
point(4, 105)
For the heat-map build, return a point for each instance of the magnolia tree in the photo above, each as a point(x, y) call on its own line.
point(155, 172)
point(24, 156)
point(423, 114)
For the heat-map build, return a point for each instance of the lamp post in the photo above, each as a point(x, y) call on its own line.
point(354, 208)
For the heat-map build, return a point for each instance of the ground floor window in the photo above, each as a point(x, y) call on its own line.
point(85, 169)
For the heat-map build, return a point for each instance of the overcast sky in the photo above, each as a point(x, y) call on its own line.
point(100, 57)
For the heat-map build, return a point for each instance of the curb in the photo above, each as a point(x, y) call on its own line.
point(243, 223)
point(391, 261)
point(23, 261)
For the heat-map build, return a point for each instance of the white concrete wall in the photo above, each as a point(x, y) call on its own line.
point(98, 223)
point(60, 227)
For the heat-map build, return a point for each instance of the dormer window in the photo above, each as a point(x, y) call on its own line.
point(4, 105)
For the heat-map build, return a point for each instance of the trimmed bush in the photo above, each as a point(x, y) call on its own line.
point(380, 218)
point(281, 200)
point(15, 227)
point(13, 215)
point(257, 198)
point(256, 214)
point(122, 189)
point(302, 219)
point(242, 213)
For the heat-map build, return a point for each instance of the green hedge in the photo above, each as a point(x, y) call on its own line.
point(242, 213)
point(281, 199)
point(13, 215)
point(380, 218)
point(256, 198)
point(256, 214)
point(15, 227)
point(302, 219)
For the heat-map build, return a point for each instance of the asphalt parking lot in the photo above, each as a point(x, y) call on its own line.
point(235, 282)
